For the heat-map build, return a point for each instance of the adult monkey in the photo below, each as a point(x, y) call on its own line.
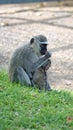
point(29, 63)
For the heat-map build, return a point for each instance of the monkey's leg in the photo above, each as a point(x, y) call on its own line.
point(22, 76)
point(47, 86)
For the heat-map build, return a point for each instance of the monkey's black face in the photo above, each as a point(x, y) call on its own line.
point(43, 49)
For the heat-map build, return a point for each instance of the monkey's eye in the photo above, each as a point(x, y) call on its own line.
point(43, 46)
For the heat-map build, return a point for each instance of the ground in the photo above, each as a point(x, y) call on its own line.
point(19, 23)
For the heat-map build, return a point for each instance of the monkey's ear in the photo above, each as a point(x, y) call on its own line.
point(31, 41)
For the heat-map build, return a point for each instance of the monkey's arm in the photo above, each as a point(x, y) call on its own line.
point(41, 61)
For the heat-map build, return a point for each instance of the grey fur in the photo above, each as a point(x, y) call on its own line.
point(28, 65)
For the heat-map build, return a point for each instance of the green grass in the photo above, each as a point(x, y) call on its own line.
point(25, 108)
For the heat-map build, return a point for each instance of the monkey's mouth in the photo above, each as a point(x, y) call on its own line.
point(43, 51)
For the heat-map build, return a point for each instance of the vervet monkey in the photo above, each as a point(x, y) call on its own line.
point(29, 63)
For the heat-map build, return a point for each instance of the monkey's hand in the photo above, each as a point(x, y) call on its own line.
point(48, 54)
point(40, 62)
point(47, 65)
